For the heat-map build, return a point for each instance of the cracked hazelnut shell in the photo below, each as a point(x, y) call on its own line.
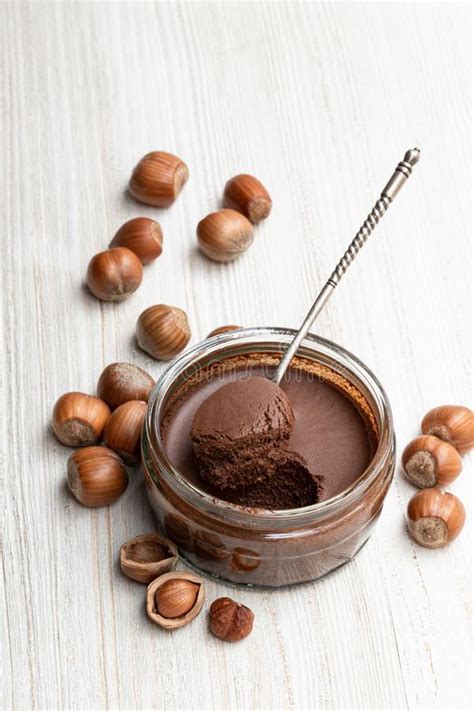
point(451, 423)
point(435, 517)
point(429, 461)
point(230, 620)
point(175, 599)
point(147, 556)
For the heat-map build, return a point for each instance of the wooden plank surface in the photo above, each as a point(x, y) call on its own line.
point(320, 101)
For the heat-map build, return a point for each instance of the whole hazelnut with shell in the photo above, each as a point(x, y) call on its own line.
point(247, 195)
point(96, 476)
point(429, 461)
point(143, 236)
point(78, 419)
point(224, 235)
point(163, 331)
point(435, 517)
point(158, 178)
point(122, 382)
point(451, 423)
point(114, 274)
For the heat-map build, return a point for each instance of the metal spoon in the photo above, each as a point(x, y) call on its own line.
point(401, 174)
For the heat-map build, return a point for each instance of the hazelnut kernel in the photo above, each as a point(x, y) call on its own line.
point(230, 620)
point(174, 599)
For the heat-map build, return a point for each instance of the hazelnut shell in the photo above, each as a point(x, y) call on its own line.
point(247, 195)
point(222, 329)
point(435, 517)
point(78, 419)
point(145, 557)
point(96, 476)
point(163, 331)
point(168, 622)
point(114, 274)
point(429, 461)
point(143, 236)
point(451, 423)
point(124, 429)
point(158, 178)
point(224, 235)
point(122, 382)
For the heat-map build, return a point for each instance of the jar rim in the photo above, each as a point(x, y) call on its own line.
point(274, 339)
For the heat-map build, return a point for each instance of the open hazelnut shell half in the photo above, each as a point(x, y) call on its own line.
point(145, 557)
point(174, 599)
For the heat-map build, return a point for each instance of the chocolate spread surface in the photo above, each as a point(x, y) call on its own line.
point(277, 448)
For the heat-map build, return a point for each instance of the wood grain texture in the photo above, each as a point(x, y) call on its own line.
point(319, 101)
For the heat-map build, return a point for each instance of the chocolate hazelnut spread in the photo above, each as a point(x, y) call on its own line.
point(338, 434)
point(240, 437)
point(310, 434)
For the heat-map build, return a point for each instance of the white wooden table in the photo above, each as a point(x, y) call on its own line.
point(320, 102)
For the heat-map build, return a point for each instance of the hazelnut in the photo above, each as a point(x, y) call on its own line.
point(435, 517)
point(114, 274)
point(178, 530)
point(158, 178)
point(247, 195)
point(79, 419)
point(224, 235)
point(174, 599)
point(222, 329)
point(428, 462)
point(146, 557)
point(96, 476)
point(122, 382)
point(124, 430)
point(451, 423)
point(143, 236)
point(229, 620)
point(163, 331)
point(209, 546)
point(244, 560)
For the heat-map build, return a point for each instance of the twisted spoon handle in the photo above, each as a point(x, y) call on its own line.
point(401, 174)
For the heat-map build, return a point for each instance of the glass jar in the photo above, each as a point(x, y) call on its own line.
point(256, 547)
